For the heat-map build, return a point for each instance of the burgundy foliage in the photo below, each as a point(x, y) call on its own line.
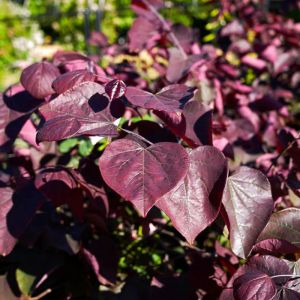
point(183, 185)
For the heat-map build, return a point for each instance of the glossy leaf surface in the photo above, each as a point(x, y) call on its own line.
point(284, 225)
point(252, 285)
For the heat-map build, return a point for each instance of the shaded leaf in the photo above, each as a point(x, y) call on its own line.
point(7, 241)
point(143, 174)
point(102, 256)
point(194, 125)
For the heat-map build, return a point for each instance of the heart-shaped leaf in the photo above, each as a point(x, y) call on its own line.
point(143, 174)
point(170, 99)
point(254, 283)
point(285, 225)
point(37, 79)
point(198, 196)
point(248, 203)
point(85, 109)
point(70, 79)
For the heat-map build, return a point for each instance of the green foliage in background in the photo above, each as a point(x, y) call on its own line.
point(18, 35)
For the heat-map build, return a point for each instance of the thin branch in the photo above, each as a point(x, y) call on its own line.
point(166, 27)
point(136, 135)
point(290, 145)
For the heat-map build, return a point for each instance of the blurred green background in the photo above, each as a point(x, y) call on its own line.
point(33, 29)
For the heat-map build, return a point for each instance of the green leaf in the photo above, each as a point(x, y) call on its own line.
point(85, 147)
point(24, 281)
point(66, 145)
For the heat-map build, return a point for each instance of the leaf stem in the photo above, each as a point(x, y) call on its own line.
point(166, 27)
point(43, 294)
point(136, 135)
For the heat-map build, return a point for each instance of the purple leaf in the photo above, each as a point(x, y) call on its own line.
point(141, 174)
point(248, 203)
point(37, 79)
point(102, 256)
point(233, 28)
point(179, 65)
point(62, 57)
point(252, 285)
point(275, 247)
point(61, 188)
point(85, 109)
point(199, 195)
point(142, 34)
point(255, 63)
point(7, 241)
point(170, 99)
point(185, 35)
point(27, 199)
point(70, 79)
point(284, 225)
point(115, 89)
point(194, 125)
point(16, 106)
point(271, 266)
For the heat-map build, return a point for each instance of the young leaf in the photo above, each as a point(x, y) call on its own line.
point(85, 109)
point(170, 99)
point(115, 89)
point(285, 225)
point(254, 283)
point(249, 204)
point(143, 174)
point(37, 79)
point(199, 195)
point(70, 79)
point(25, 281)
